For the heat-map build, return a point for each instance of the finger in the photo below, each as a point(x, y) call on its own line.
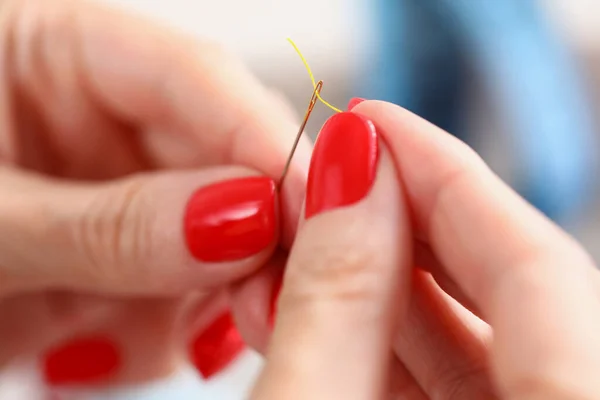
point(142, 340)
point(403, 385)
point(193, 102)
point(443, 345)
point(33, 321)
point(427, 260)
point(253, 302)
point(346, 277)
point(138, 343)
point(214, 341)
point(199, 310)
point(160, 233)
point(531, 281)
point(254, 298)
point(148, 75)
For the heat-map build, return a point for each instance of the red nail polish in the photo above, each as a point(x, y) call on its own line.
point(82, 361)
point(343, 164)
point(217, 346)
point(354, 102)
point(231, 220)
point(274, 297)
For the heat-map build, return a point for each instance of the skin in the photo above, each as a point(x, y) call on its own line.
point(356, 320)
point(89, 135)
point(104, 135)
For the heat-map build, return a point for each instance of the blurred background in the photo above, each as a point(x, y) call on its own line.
point(519, 80)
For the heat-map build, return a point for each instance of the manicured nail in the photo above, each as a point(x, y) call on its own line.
point(217, 346)
point(343, 164)
point(274, 297)
point(231, 220)
point(82, 361)
point(354, 102)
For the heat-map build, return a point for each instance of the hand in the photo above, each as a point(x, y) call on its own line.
point(504, 305)
point(117, 140)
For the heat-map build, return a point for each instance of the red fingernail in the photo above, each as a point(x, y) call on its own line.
point(82, 361)
point(217, 346)
point(343, 164)
point(274, 297)
point(231, 220)
point(354, 102)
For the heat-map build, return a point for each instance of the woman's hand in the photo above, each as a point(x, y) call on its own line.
point(504, 304)
point(121, 220)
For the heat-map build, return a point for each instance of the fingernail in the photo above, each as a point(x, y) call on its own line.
point(354, 102)
point(82, 361)
point(274, 297)
point(343, 165)
point(231, 220)
point(217, 346)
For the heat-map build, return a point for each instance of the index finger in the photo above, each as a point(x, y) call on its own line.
point(147, 74)
point(195, 103)
point(532, 282)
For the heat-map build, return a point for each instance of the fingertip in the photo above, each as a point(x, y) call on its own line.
point(85, 360)
point(210, 228)
point(347, 268)
point(217, 346)
point(231, 220)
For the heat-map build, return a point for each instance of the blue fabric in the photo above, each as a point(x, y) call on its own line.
point(532, 78)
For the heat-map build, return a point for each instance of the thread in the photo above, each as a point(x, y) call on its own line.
point(311, 105)
point(312, 77)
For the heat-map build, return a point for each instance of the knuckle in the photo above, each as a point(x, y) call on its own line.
point(114, 230)
point(522, 275)
point(35, 27)
point(528, 271)
point(347, 273)
point(453, 182)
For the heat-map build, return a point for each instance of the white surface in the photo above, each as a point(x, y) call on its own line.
point(21, 382)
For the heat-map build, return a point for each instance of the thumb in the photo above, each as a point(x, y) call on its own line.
point(345, 273)
point(155, 233)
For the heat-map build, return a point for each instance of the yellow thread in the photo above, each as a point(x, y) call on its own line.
point(310, 74)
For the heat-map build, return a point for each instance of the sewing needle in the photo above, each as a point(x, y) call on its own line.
point(311, 105)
